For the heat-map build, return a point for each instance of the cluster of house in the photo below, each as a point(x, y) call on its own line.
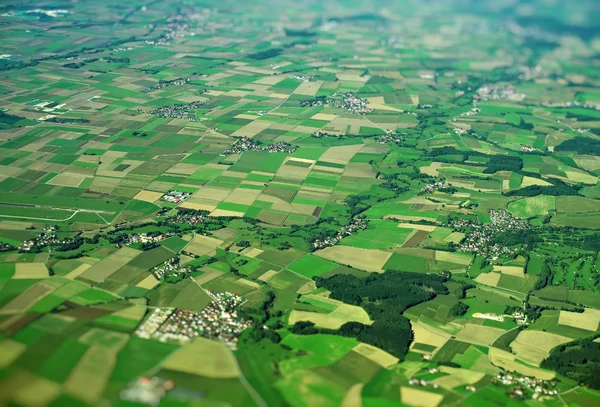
point(171, 267)
point(303, 78)
point(356, 224)
point(47, 236)
point(389, 137)
point(219, 320)
point(435, 186)
point(480, 237)
point(585, 105)
point(346, 101)
point(247, 144)
point(177, 27)
point(527, 149)
point(162, 85)
point(176, 196)
point(473, 111)
point(525, 385)
point(415, 381)
point(176, 111)
point(188, 218)
point(147, 390)
point(144, 238)
point(498, 92)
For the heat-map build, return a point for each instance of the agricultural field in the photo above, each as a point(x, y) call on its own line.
point(299, 203)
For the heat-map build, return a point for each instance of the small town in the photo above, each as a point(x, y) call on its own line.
point(166, 84)
point(480, 237)
point(171, 268)
point(356, 224)
point(435, 186)
point(346, 101)
point(176, 111)
point(218, 321)
point(47, 237)
point(525, 385)
point(247, 144)
point(389, 137)
point(498, 92)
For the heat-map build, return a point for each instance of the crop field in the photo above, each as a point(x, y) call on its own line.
point(356, 203)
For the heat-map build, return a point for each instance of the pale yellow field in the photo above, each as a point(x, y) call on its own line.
point(338, 317)
point(202, 245)
point(309, 89)
point(185, 169)
point(580, 176)
point(78, 271)
point(148, 283)
point(457, 377)
point(479, 334)
point(341, 154)
point(267, 275)
point(30, 270)
point(198, 206)
point(324, 116)
point(415, 397)
point(90, 376)
point(528, 181)
point(428, 335)
point(242, 196)
point(490, 279)
point(431, 169)
point(204, 357)
point(105, 267)
point(148, 196)
point(426, 228)
point(209, 275)
point(377, 355)
point(507, 361)
point(223, 212)
point(11, 350)
point(364, 259)
point(455, 237)
point(253, 128)
point(30, 390)
point(353, 396)
point(135, 312)
point(359, 170)
point(510, 270)
point(67, 180)
point(458, 258)
point(534, 346)
point(248, 283)
point(588, 320)
point(306, 288)
point(252, 252)
point(212, 193)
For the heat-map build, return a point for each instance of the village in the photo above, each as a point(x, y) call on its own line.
point(247, 144)
point(435, 186)
point(356, 224)
point(480, 237)
point(176, 111)
point(219, 320)
point(345, 101)
point(47, 237)
point(171, 268)
point(525, 385)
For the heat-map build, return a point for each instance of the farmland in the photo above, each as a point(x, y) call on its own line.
point(299, 203)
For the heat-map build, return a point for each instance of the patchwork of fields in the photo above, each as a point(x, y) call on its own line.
point(288, 203)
